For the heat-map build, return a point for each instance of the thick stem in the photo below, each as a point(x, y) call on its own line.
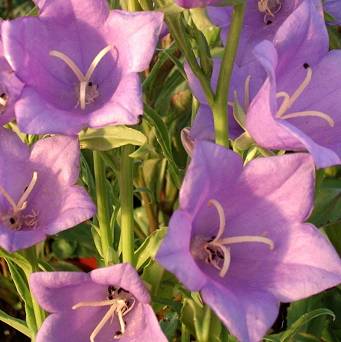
point(126, 197)
point(185, 334)
point(206, 325)
point(220, 107)
point(102, 209)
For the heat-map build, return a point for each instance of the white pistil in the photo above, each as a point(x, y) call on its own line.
point(118, 306)
point(288, 101)
point(269, 7)
point(84, 80)
point(218, 243)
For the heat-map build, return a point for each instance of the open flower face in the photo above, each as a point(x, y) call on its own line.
point(80, 63)
point(299, 103)
point(37, 192)
point(243, 241)
point(10, 88)
point(108, 304)
point(262, 20)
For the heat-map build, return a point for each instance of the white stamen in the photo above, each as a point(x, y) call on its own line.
point(312, 113)
point(247, 238)
point(221, 243)
point(118, 306)
point(288, 101)
point(227, 260)
point(221, 215)
point(102, 323)
point(22, 203)
point(83, 79)
point(3, 102)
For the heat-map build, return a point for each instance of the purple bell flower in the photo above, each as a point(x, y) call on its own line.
point(38, 191)
point(298, 107)
point(107, 304)
point(80, 63)
point(240, 239)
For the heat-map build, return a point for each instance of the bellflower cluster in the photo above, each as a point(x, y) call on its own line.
point(238, 235)
point(244, 244)
point(106, 304)
point(79, 63)
point(38, 195)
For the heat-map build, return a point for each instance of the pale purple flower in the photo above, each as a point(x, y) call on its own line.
point(106, 304)
point(333, 7)
point(38, 195)
point(262, 20)
point(299, 106)
point(240, 239)
point(80, 64)
point(10, 88)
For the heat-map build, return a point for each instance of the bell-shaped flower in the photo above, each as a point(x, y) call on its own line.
point(80, 63)
point(298, 107)
point(262, 20)
point(107, 304)
point(240, 239)
point(10, 88)
point(38, 191)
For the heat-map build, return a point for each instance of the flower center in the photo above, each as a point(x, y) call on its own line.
point(216, 250)
point(120, 303)
point(270, 8)
point(3, 102)
point(87, 92)
point(14, 218)
point(288, 101)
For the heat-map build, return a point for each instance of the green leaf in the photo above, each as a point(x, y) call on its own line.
point(15, 323)
point(299, 324)
point(107, 138)
point(162, 136)
point(149, 247)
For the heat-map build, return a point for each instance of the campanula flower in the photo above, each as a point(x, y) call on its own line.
point(38, 195)
point(80, 63)
point(107, 304)
point(298, 107)
point(240, 239)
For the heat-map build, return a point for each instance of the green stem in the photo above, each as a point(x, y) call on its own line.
point(220, 106)
point(102, 209)
point(205, 332)
point(185, 334)
point(133, 5)
point(126, 197)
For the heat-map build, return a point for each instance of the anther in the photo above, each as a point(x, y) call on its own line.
point(306, 66)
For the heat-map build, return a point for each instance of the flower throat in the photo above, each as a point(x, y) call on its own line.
point(87, 91)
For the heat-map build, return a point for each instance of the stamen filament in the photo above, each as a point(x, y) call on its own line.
point(8, 198)
point(227, 260)
point(94, 304)
point(96, 61)
point(22, 203)
point(313, 113)
point(247, 238)
point(222, 222)
point(69, 62)
point(102, 323)
point(82, 94)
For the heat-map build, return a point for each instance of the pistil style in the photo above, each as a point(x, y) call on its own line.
point(217, 253)
point(121, 302)
point(87, 91)
point(288, 101)
point(13, 219)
